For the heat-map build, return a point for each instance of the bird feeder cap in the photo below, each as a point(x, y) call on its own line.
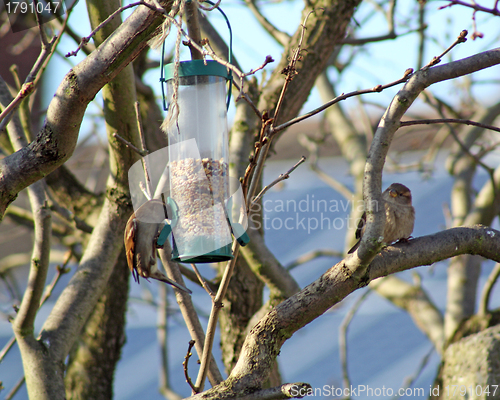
point(197, 68)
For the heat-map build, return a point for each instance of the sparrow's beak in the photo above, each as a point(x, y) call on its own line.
point(393, 193)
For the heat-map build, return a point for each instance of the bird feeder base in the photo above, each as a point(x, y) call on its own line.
point(194, 253)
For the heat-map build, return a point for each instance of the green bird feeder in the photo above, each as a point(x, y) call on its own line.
point(197, 131)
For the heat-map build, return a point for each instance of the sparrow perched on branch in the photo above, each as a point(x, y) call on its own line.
point(141, 232)
point(399, 216)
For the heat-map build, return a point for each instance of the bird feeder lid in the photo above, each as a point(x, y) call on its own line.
point(197, 68)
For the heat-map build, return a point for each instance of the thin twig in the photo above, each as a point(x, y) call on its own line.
point(488, 287)
point(185, 365)
point(409, 381)
point(290, 70)
point(280, 178)
point(450, 121)
point(242, 94)
point(212, 321)
point(437, 59)
point(130, 145)
point(344, 326)
point(86, 39)
point(188, 311)
point(144, 150)
point(312, 255)
point(262, 147)
point(15, 389)
point(202, 281)
point(494, 10)
point(60, 271)
point(39, 22)
point(25, 91)
point(7, 347)
point(375, 89)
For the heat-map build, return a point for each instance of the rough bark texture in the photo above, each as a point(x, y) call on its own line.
point(94, 356)
point(72, 194)
point(56, 141)
point(472, 366)
point(93, 359)
point(243, 300)
point(326, 25)
point(464, 271)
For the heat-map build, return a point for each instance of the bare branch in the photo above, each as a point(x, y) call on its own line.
point(188, 311)
point(15, 389)
point(312, 255)
point(268, 335)
point(86, 39)
point(280, 36)
point(142, 153)
point(185, 365)
point(280, 178)
point(488, 287)
point(437, 59)
point(202, 281)
point(450, 121)
point(343, 328)
point(409, 381)
point(207, 357)
point(376, 89)
point(476, 7)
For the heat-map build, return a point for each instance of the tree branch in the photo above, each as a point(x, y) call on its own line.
point(415, 301)
point(450, 121)
point(56, 140)
point(488, 287)
point(264, 342)
point(188, 312)
point(265, 265)
point(389, 124)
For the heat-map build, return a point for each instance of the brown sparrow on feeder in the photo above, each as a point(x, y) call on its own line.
point(141, 232)
point(399, 216)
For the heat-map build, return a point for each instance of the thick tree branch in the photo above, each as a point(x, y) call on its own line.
point(261, 347)
point(264, 342)
point(390, 123)
point(25, 319)
point(56, 140)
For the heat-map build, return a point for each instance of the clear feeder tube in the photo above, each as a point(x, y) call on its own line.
point(198, 154)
